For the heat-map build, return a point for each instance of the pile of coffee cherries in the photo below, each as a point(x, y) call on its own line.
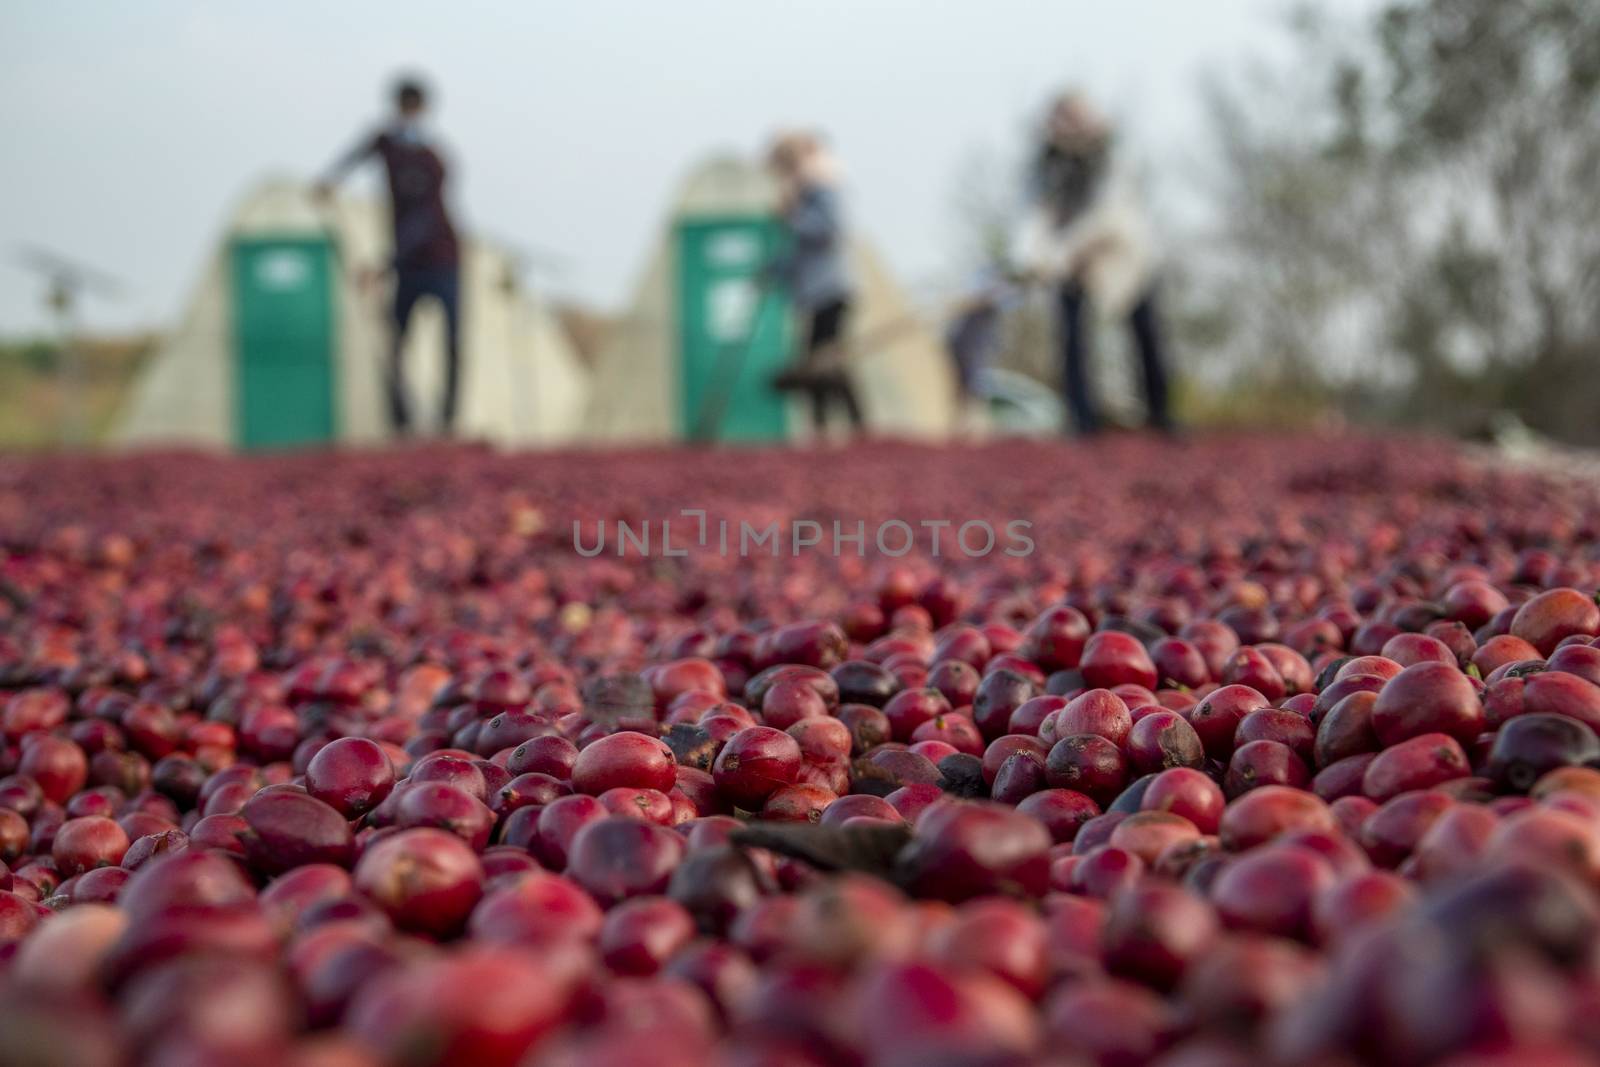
point(1272, 750)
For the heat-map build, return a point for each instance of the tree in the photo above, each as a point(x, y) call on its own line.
point(1410, 216)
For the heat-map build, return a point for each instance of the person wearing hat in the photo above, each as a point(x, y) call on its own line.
point(1085, 233)
point(813, 272)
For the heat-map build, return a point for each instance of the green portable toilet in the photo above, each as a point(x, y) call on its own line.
point(732, 331)
point(696, 301)
point(284, 340)
point(282, 344)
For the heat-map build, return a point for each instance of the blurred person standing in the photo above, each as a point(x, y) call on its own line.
point(426, 257)
point(1086, 233)
point(812, 270)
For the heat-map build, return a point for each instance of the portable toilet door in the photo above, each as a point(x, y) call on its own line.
point(285, 337)
point(732, 331)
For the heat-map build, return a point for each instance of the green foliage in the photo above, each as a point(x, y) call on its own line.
point(1422, 224)
point(35, 406)
point(33, 356)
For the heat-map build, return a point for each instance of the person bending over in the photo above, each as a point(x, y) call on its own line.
point(813, 271)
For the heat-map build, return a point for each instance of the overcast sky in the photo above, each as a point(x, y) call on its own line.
point(130, 128)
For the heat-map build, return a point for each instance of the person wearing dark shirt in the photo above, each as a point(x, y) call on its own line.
point(427, 256)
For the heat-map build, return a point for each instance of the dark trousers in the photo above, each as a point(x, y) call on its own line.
point(411, 285)
point(833, 383)
point(1076, 378)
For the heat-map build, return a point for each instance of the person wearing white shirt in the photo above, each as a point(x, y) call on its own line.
point(1086, 234)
